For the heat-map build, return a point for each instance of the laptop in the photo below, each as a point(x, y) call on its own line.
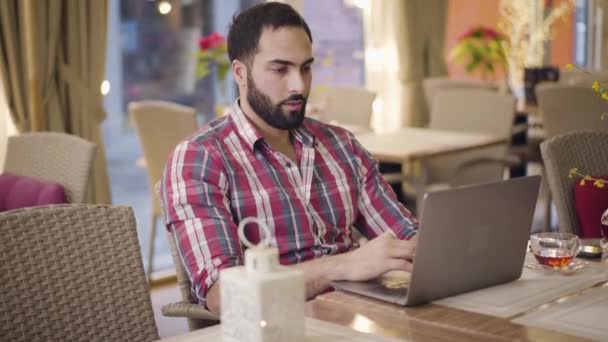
point(469, 238)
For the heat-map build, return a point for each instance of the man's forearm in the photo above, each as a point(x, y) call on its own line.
point(374, 258)
point(317, 274)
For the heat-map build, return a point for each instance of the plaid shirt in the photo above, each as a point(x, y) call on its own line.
point(227, 171)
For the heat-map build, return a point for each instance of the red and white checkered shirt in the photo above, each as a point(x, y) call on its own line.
point(227, 171)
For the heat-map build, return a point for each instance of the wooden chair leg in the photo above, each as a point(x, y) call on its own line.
point(154, 218)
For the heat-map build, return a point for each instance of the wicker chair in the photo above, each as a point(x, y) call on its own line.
point(72, 272)
point(197, 316)
point(160, 127)
point(50, 156)
point(585, 150)
point(568, 108)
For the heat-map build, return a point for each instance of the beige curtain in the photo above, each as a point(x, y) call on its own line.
point(404, 44)
point(12, 62)
point(70, 40)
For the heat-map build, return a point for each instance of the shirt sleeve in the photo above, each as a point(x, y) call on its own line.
point(378, 207)
point(195, 200)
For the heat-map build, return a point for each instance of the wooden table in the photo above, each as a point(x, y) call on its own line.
point(411, 144)
point(424, 323)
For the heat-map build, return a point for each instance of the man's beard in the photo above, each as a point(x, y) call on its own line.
point(274, 116)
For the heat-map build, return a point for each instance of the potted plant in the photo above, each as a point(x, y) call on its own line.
point(480, 49)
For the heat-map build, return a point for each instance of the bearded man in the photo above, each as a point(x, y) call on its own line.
point(310, 182)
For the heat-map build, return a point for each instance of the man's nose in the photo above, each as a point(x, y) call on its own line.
point(296, 83)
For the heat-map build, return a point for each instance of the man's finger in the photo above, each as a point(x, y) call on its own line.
point(399, 265)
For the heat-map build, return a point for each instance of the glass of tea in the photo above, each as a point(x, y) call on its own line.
point(604, 230)
point(555, 250)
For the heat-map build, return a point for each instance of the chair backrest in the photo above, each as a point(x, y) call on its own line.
point(582, 78)
point(433, 85)
point(345, 105)
point(55, 157)
point(73, 273)
point(160, 127)
point(568, 108)
point(585, 150)
point(471, 111)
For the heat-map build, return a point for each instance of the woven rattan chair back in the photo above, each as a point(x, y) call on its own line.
point(72, 273)
point(585, 150)
point(54, 157)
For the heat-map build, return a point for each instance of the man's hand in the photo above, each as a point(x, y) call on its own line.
point(378, 256)
point(373, 259)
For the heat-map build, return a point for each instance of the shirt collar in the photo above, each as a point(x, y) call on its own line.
point(251, 135)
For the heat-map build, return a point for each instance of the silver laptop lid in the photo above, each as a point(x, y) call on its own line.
point(472, 237)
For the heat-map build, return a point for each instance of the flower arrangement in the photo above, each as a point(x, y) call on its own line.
point(480, 48)
point(526, 33)
point(212, 54)
point(598, 182)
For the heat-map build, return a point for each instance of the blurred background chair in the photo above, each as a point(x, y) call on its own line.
point(585, 150)
point(433, 85)
point(581, 78)
point(469, 111)
point(160, 127)
point(53, 157)
point(350, 107)
point(569, 108)
point(73, 272)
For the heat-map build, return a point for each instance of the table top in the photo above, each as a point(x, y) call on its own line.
point(422, 323)
point(408, 144)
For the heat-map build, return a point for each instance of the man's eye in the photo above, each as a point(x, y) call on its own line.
point(307, 68)
point(280, 70)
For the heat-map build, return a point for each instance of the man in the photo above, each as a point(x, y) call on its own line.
point(310, 182)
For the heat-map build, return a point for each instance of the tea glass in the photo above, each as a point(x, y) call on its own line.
point(555, 250)
point(604, 241)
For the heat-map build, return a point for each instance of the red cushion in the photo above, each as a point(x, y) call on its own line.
point(590, 203)
point(19, 192)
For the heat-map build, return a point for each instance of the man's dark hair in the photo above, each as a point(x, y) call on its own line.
point(247, 27)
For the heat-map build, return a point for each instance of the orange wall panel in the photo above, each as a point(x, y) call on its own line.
point(464, 14)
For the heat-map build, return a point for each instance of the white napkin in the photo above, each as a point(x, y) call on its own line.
point(533, 289)
point(581, 315)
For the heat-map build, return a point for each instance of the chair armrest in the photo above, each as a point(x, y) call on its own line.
point(188, 310)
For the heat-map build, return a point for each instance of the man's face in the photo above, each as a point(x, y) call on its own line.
point(279, 77)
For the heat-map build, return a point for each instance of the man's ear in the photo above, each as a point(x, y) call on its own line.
point(239, 71)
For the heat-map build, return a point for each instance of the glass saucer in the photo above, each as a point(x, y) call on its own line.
point(574, 266)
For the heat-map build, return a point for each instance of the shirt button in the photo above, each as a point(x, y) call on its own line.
point(288, 164)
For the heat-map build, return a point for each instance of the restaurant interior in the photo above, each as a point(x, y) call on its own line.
point(445, 95)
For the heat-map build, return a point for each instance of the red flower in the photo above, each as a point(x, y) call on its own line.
point(212, 41)
point(481, 32)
